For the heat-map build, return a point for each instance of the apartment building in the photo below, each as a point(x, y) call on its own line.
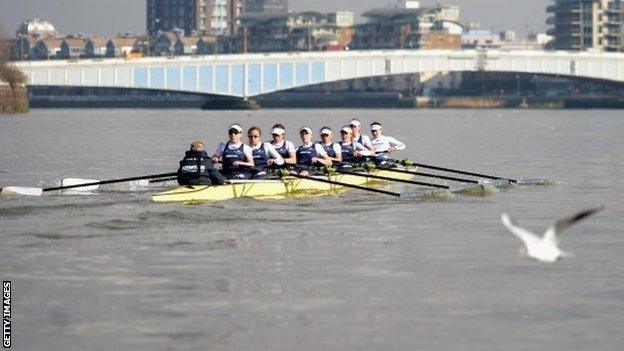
point(265, 6)
point(195, 17)
point(586, 24)
point(409, 27)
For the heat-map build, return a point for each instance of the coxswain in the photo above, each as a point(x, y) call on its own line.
point(264, 154)
point(196, 168)
point(333, 150)
point(310, 154)
point(285, 148)
point(356, 128)
point(352, 151)
point(384, 145)
point(236, 157)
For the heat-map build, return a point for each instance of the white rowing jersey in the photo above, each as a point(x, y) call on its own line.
point(383, 143)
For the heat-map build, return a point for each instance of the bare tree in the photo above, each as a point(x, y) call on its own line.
point(8, 73)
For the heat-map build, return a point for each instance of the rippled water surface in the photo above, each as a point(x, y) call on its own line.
point(355, 271)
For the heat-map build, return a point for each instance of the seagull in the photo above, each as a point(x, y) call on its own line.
point(546, 249)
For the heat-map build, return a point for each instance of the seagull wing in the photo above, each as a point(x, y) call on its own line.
point(563, 224)
point(524, 235)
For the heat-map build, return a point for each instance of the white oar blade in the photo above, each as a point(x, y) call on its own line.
point(495, 182)
point(20, 190)
point(544, 182)
point(78, 181)
point(474, 190)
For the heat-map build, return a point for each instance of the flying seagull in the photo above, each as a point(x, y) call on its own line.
point(546, 249)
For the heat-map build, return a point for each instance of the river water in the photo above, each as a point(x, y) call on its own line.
point(356, 271)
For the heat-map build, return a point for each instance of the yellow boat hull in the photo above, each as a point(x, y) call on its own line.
point(269, 189)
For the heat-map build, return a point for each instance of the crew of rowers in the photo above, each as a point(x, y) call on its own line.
point(256, 159)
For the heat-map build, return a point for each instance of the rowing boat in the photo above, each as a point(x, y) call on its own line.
point(270, 189)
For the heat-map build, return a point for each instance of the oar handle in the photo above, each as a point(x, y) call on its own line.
point(347, 185)
point(368, 175)
point(112, 181)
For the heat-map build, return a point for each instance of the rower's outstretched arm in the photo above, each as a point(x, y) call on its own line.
point(396, 144)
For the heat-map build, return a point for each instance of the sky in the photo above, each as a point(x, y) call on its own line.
point(109, 17)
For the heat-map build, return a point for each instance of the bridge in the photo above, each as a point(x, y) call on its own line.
point(249, 75)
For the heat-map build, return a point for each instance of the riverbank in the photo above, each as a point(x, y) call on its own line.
point(67, 97)
point(576, 102)
point(13, 100)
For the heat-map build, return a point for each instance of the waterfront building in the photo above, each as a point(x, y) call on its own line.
point(265, 6)
point(195, 17)
point(122, 46)
point(409, 26)
point(207, 45)
point(95, 47)
point(164, 43)
point(586, 24)
point(37, 28)
point(22, 46)
point(281, 31)
point(46, 49)
point(474, 38)
point(341, 18)
point(186, 46)
point(72, 48)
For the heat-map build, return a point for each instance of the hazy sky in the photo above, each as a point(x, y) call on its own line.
point(107, 17)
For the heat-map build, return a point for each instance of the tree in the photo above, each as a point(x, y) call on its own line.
point(8, 73)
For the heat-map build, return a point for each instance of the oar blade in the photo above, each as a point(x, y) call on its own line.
point(474, 190)
point(20, 190)
point(542, 182)
point(495, 182)
point(78, 181)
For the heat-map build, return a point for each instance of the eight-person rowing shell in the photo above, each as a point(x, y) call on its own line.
point(258, 158)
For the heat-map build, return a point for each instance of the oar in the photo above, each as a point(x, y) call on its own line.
point(443, 169)
point(428, 175)
point(373, 176)
point(346, 185)
point(15, 190)
point(163, 180)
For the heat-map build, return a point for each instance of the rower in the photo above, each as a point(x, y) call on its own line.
point(333, 150)
point(352, 151)
point(236, 157)
point(356, 128)
point(197, 169)
point(384, 145)
point(264, 154)
point(285, 148)
point(310, 154)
